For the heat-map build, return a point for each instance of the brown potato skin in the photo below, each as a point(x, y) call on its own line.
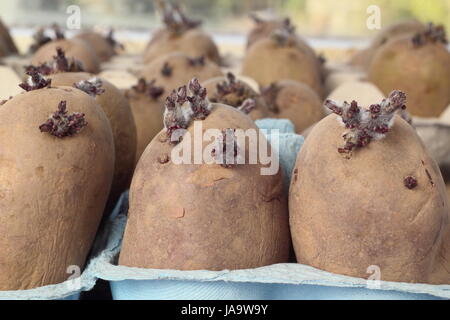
point(8, 46)
point(52, 191)
point(148, 116)
point(267, 62)
point(362, 91)
point(361, 58)
point(349, 214)
point(264, 30)
point(182, 71)
point(191, 217)
point(194, 42)
point(120, 116)
point(423, 73)
point(73, 48)
point(298, 103)
point(409, 27)
point(4, 52)
point(98, 43)
point(259, 112)
point(441, 272)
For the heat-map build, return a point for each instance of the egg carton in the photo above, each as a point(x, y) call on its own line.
point(278, 281)
point(67, 290)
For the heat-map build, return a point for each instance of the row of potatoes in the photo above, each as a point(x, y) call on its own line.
point(364, 191)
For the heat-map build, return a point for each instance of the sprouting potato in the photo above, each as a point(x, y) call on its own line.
point(175, 69)
point(365, 192)
point(148, 109)
point(364, 57)
point(293, 100)
point(282, 57)
point(419, 65)
point(56, 169)
point(105, 47)
point(73, 48)
point(234, 92)
point(63, 71)
point(203, 216)
point(180, 34)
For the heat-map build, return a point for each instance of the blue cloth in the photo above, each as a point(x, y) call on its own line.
point(288, 144)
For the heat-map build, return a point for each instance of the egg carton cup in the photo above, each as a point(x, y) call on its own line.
point(279, 281)
point(274, 282)
point(67, 290)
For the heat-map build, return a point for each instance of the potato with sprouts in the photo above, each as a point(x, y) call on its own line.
point(45, 47)
point(364, 57)
point(104, 46)
point(173, 70)
point(366, 192)
point(180, 34)
point(148, 108)
point(419, 65)
point(64, 71)
point(205, 214)
point(282, 57)
point(236, 93)
point(56, 169)
point(293, 100)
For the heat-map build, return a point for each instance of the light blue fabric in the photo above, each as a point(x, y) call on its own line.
point(289, 143)
point(284, 125)
point(288, 147)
